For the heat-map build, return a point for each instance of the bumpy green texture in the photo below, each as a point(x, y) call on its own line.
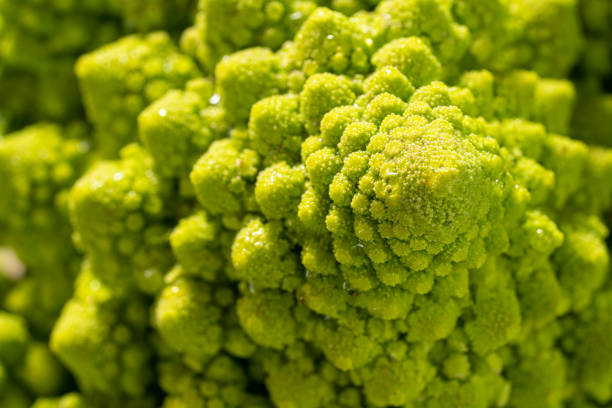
point(441, 229)
point(177, 128)
point(115, 88)
point(222, 27)
point(119, 216)
point(432, 242)
point(245, 77)
point(41, 39)
point(39, 164)
point(225, 26)
point(223, 177)
point(102, 339)
point(275, 128)
point(329, 42)
point(221, 382)
point(199, 320)
point(198, 244)
point(420, 205)
point(306, 204)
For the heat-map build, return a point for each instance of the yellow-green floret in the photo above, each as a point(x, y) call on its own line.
point(118, 212)
point(305, 204)
point(102, 339)
point(115, 88)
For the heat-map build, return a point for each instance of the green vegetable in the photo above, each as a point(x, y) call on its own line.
point(115, 88)
point(306, 204)
point(71, 400)
point(27, 367)
point(101, 339)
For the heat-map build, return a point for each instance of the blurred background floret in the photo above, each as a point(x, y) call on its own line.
point(120, 79)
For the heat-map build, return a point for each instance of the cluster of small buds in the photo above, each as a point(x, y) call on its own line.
point(305, 204)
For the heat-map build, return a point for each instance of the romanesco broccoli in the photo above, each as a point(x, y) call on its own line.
point(306, 204)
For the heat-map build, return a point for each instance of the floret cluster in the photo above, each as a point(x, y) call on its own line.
point(305, 204)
